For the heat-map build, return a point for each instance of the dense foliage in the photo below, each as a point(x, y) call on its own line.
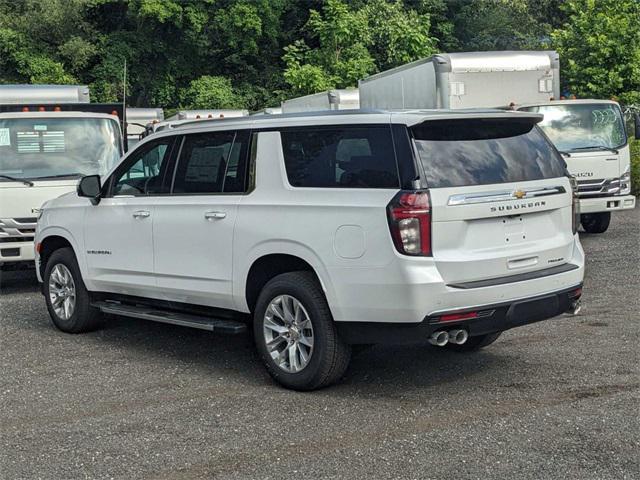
point(253, 53)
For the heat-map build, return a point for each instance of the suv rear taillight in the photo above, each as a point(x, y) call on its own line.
point(410, 222)
point(575, 205)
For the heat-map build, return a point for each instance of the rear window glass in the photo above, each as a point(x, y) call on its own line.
point(340, 157)
point(479, 152)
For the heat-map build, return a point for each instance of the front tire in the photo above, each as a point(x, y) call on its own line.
point(66, 296)
point(595, 222)
point(295, 334)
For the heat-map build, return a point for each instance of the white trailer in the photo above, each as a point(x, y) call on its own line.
point(345, 99)
point(589, 133)
point(50, 136)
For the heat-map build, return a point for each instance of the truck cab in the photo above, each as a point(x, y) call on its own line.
point(591, 136)
point(42, 156)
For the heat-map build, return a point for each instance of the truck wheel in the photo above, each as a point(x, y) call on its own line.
point(595, 222)
point(66, 296)
point(295, 334)
point(474, 343)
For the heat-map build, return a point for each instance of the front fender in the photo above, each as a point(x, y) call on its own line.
point(45, 232)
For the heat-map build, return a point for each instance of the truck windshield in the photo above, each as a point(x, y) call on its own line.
point(580, 126)
point(41, 148)
point(457, 153)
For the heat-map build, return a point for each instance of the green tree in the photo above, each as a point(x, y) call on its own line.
point(599, 49)
point(211, 92)
point(350, 43)
point(485, 25)
point(340, 57)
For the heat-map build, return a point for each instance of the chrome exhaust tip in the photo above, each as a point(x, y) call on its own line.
point(458, 337)
point(439, 338)
point(575, 308)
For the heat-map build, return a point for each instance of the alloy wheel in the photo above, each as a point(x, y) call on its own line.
point(288, 333)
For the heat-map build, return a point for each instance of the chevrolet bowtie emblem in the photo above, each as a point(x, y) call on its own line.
point(519, 194)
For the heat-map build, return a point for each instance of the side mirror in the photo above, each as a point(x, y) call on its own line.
point(636, 121)
point(90, 187)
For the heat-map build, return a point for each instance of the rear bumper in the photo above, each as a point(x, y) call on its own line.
point(490, 319)
point(607, 204)
point(411, 288)
point(14, 252)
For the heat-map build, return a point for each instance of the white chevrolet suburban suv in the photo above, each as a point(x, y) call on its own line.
point(320, 231)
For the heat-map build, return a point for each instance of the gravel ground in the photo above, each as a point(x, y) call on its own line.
point(557, 399)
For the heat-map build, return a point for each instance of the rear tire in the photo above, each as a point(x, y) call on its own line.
point(66, 296)
point(292, 313)
point(474, 344)
point(595, 222)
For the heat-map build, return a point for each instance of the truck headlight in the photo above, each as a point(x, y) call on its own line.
point(625, 182)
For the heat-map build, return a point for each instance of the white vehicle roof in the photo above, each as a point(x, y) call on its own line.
point(58, 115)
point(344, 117)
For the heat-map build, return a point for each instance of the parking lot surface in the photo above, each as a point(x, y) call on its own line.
point(556, 399)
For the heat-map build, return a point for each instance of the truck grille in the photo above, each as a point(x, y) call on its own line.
point(598, 187)
point(17, 229)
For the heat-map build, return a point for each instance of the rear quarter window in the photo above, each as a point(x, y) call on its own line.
point(340, 157)
point(478, 152)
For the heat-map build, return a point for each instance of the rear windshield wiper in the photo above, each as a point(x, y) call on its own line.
point(21, 180)
point(596, 147)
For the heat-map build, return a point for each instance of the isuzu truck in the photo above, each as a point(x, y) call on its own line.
point(590, 134)
point(50, 136)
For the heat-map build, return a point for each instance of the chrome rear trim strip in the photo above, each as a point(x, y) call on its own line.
point(504, 195)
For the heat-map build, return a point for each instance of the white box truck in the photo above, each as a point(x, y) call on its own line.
point(207, 114)
point(185, 116)
point(343, 99)
point(268, 111)
point(589, 133)
point(137, 121)
point(50, 136)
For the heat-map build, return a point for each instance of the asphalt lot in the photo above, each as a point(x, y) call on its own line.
point(557, 399)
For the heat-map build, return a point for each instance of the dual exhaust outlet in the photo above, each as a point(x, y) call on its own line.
point(441, 337)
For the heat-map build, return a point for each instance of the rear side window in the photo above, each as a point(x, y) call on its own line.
point(340, 157)
point(479, 152)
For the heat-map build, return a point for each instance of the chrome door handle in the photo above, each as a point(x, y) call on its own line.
point(215, 215)
point(141, 214)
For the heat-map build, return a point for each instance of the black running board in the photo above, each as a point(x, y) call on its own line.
point(217, 325)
